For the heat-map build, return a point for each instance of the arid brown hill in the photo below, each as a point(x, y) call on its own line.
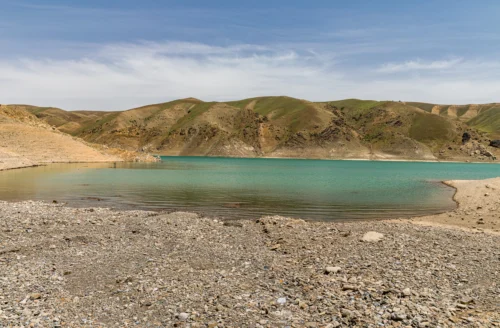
point(25, 140)
point(288, 127)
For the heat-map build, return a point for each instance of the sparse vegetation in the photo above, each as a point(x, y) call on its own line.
point(284, 126)
point(428, 127)
point(488, 121)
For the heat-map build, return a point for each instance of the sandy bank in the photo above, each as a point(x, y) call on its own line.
point(95, 267)
point(478, 207)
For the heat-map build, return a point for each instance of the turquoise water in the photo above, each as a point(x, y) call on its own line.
point(250, 188)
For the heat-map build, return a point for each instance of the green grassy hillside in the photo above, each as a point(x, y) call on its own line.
point(485, 117)
point(488, 121)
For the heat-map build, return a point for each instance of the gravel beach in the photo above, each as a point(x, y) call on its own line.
point(67, 267)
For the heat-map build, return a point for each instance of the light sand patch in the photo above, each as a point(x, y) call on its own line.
point(478, 207)
point(470, 113)
point(452, 111)
point(436, 110)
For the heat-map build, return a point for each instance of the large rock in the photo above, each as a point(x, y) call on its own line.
point(495, 143)
point(372, 236)
point(465, 137)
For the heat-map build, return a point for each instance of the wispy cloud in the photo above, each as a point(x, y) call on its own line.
point(121, 76)
point(419, 65)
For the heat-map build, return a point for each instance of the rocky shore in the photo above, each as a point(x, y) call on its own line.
point(67, 267)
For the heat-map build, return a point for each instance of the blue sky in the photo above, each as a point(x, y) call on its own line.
point(121, 54)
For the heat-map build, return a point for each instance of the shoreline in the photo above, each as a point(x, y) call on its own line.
point(421, 219)
point(81, 267)
point(46, 164)
point(339, 159)
point(477, 207)
point(294, 158)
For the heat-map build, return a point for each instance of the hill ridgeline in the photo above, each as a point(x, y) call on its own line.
point(289, 127)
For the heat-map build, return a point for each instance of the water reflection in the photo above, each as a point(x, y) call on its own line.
point(249, 188)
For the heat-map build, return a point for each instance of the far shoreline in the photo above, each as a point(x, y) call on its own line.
point(263, 157)
point(335, 159)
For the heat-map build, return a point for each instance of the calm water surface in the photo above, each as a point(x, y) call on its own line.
point(250, 188)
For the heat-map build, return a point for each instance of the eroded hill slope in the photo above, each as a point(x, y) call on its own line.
point(27, 141)
point(288, 127)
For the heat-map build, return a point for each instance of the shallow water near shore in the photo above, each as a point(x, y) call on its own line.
point(250, 188)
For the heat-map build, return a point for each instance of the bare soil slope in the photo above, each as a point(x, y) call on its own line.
point(26, 141)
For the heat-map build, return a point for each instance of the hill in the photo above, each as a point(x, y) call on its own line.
point(289, 127)
point(485, 117)
point(26, 140)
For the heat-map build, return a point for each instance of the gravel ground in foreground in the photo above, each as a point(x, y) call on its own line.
point(67, 267)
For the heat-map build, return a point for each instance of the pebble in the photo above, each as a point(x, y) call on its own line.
point(332, 269)
point(184, 270)
point(372, 236)
point(35, 296)
point(183, 316)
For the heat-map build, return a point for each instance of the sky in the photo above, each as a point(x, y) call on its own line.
point(115, 55)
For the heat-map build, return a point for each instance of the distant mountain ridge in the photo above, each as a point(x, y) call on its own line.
point(289, 127)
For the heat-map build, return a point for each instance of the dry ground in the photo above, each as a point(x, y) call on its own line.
point(71, 267)
point(23, 145)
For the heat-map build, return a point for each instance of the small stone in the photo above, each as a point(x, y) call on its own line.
point(281, 300)
point(275, 247)
point(349, 287)
point(346, 313)
point(183, 316)
point(36, 296)
point(372, 236)
point(398, 316)
point(146, 303)
point(332, 269)
point(407, 292)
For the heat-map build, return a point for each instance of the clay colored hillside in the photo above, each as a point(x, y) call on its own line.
point(288, 127)
point(27, 141)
